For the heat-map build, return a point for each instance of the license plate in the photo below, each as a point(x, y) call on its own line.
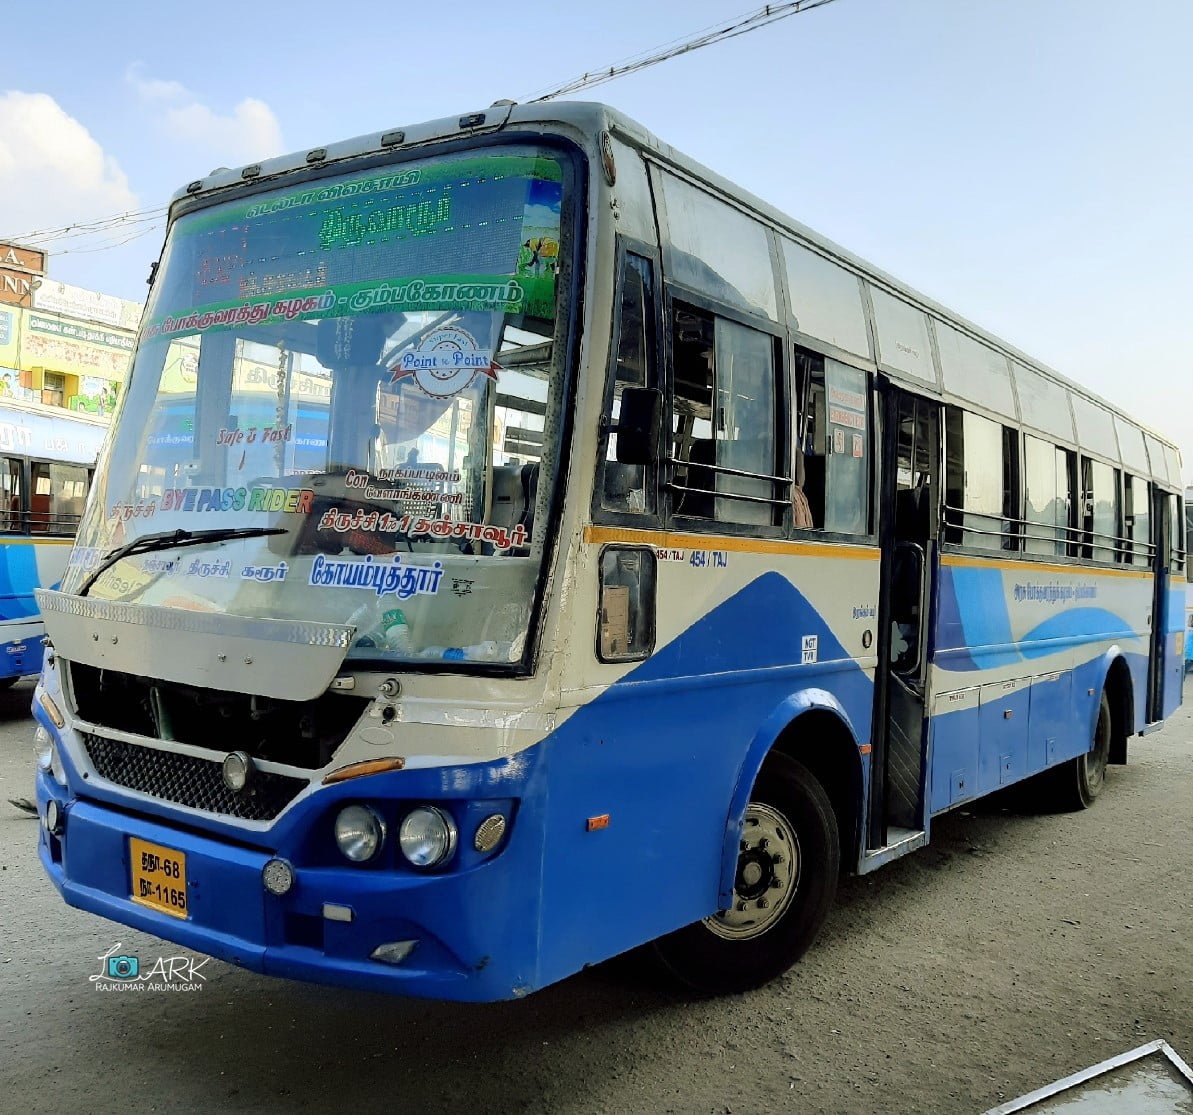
point(159, 877)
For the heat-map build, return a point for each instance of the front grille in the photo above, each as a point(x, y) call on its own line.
point(188, 780)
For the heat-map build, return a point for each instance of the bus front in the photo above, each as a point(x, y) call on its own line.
point(289, 711)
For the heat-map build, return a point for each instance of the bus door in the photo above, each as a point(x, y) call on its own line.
point(910, 486)
point(1162, 517)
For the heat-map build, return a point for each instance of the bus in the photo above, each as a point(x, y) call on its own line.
point(661, 561)
point(46, 465)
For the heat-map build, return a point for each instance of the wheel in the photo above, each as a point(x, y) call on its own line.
point(1079, 781)
point(786, 880)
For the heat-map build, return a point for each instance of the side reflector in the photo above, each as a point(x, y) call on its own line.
point(52, 710)
point(359, 770)
point(594, 823)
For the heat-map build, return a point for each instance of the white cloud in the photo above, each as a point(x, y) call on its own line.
point(248, 133)
point(52, 170)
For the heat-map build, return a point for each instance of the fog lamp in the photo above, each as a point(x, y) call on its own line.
point(53, 821)
point(277, 876)
point(360, 832)
point(427, 836)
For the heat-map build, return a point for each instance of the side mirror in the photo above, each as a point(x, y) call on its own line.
point(637, 426)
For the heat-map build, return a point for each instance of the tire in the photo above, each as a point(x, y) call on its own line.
point(7, 683)
point(1077, 783)
point(786, 881)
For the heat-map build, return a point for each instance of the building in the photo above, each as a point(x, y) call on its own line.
point(61, 346)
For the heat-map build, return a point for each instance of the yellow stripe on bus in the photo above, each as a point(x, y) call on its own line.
point(667, 539)
point(36, 541)
point(965, 561)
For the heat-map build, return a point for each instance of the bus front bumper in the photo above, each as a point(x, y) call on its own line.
point(325, 929)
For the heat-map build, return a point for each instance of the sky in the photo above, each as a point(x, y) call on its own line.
point(1027, 163)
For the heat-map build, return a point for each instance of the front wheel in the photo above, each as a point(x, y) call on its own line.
point(786, 879)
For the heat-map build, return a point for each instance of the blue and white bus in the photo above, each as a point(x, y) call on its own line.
point(650, 561)
point(46, 464)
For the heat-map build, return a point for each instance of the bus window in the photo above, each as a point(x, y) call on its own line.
point(1046, 485)
point(725, 420)
point(980, 489)
point(624, 487)
point(833, 443)
point(1136, 548)
point(57, 497)
point(1099, 510)
point(10, 493)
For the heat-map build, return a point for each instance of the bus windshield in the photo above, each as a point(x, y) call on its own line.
point(372, 362)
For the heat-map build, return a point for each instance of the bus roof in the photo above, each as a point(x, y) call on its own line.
point(591, 118)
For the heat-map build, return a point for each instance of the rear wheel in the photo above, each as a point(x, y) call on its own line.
point(1079, 781)
point(786, 879)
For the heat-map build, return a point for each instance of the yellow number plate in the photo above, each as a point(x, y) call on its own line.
point(159, 877)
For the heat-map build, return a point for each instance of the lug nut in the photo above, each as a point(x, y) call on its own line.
point(762, 903)
point(776, 860)
point(764, 844)
point(776, 884)
point(741, 907)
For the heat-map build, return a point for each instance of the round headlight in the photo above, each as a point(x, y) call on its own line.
point(427, 836)
point(235, 770)
point(43, 744)
point(57, 770)
point(359, 833)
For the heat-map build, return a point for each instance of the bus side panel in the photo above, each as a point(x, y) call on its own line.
point(1034, 641)
point(642, 777)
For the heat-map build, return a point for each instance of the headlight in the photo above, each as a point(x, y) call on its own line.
point(427, 836)
point(359, 833)
point(43, 746)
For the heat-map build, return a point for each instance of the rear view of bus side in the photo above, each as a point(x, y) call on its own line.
point(734, 564)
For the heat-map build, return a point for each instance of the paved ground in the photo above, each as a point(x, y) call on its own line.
point(1012, 951)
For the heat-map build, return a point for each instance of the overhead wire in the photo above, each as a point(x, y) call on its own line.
point(718, 33)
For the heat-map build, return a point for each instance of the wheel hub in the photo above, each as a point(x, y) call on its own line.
point(767, 878)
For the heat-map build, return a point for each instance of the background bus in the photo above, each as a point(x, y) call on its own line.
point(46, 465)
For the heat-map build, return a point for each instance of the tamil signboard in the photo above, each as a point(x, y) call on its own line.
point(105, 309)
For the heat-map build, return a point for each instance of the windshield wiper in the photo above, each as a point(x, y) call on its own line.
point(172, 540)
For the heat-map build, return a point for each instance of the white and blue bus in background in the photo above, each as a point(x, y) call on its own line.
point(46, 465)
point(518, 544)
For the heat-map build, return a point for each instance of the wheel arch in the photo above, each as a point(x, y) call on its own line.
point(812, 716)
point(1120, 689)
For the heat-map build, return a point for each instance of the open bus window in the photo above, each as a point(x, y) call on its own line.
point(725, 421)
point(10, 493)
point(833, 444)
point(624, 486)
